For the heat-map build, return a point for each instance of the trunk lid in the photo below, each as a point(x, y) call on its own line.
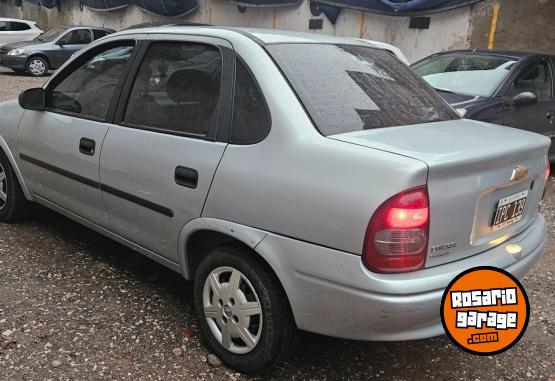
point(470, 168)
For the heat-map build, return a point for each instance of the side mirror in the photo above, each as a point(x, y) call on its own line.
point(525, 98)
point(33, 99)
point(62, 42)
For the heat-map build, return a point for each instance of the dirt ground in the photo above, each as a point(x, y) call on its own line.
point(82, 307)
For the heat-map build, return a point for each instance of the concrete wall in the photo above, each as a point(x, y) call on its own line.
point(447, 30)
point(522, 24)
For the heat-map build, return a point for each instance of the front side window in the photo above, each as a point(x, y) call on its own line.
point(465, 73)
point(77, 37)
point(251, 118)
point(18, 26)
point(177, 89)
point(89, 89)
point(535, 78)
point(349, 88)
point(3, 26)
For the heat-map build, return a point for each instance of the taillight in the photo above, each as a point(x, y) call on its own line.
point(397, 236)
point(547, 170)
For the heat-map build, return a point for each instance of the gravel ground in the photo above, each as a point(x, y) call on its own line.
point(79, 306)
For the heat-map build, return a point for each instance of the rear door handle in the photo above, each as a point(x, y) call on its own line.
point(186, 177)
point(87, 146)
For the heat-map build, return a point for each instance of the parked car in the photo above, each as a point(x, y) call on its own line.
point(14, 30)
point(50, 50)
point(510, 88)
point(301, 181)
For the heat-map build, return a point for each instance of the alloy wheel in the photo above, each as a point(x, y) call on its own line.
point(37, 67)
point(3, 188)
point(232, 310)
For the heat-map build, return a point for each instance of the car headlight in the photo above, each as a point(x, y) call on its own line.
point(16, 52)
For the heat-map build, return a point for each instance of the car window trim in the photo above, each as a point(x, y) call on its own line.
point(266, 107)
point(78, 62)
point(218, 131)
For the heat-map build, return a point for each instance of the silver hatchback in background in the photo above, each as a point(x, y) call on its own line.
point(301, 181)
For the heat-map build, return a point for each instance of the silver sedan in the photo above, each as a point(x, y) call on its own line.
point(301, 181)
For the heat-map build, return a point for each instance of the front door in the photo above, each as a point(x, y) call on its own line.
point(68, 44)
point(157, 166)
point(60, 147)
point(536, 77)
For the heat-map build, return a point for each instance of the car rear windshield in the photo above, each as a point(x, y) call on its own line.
point(349, 88)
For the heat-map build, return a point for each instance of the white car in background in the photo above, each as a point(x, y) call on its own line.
point(15, 30)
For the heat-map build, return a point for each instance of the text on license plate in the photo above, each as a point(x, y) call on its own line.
point(509, 210)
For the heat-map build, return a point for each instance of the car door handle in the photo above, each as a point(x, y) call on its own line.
point(186, 177)
point(87, 146)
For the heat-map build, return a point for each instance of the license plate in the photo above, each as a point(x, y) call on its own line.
point(509, 210)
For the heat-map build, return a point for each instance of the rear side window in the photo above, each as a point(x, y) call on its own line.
point(78, 37)
point(18, 26)
point(99, 33)
point(3, 26)
point(349, 88)
point(177, 89)
point(251, 118)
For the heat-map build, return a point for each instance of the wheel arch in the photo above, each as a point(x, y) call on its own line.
point(201, 235)
point(24, 188)
point(42, 55)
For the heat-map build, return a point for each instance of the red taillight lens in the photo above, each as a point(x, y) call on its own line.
point(397, 235)
point(547, 170)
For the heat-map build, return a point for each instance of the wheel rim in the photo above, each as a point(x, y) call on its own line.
point(232, 310)
point(3, 188)
point(37, 67)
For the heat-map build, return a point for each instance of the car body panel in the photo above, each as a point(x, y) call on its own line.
point(55, 54)
point(499, 108)
point(9, 36)
point(466, 178)
point(299, 200)
point(332, 293)
point(48, 139)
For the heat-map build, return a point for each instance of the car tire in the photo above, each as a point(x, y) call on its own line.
point(13, 204)
point(37, 66)
point(266, 323)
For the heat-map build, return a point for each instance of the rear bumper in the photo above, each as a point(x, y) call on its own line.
point(13, 62)
point(332, 293)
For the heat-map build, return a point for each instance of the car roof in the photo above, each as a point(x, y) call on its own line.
point(260, 35)
point(66, 27)
point(17, 20)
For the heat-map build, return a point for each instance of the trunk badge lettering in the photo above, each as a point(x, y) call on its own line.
point(519, 172)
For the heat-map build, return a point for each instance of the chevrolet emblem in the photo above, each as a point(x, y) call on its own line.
point(519, 172)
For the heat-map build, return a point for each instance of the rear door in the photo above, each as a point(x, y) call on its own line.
point(536, 76)
point(60, 146)
point(157, 164)
point(68, 44)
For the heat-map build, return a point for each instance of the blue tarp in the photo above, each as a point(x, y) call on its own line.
point(266, 3)
point(399, 7)
point(105, 5)
point(331, 8)
point(167, 8)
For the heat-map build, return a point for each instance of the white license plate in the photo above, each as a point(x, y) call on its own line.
point(509, 210)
